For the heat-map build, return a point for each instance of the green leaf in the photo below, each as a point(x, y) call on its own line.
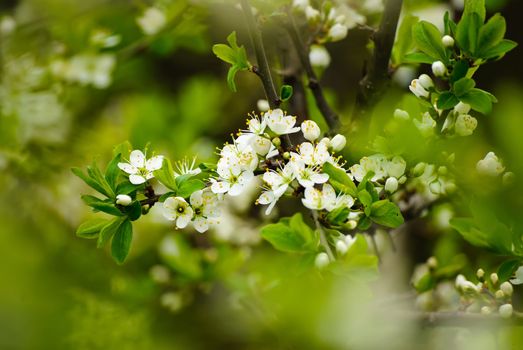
point(467, 32)
point(459, 70)
point(109, 230)
point(338, 216)
point(386, 213)
point(447, 100)
point(112, 171)
point(507, 269)
point(90, 228)
point(404, 42)
point(463, 86)
point(477, 7)
point(100, 205)
point(465, 226)
point(450, 25)
point(366, 199)
point(231, 74)
point(225, 53)
point(491, 33)
point(187, 187)
point(340, 180)
point(127, 187)
point(124, 149)
point(499, 50)
point(290, 235)
point(425, 283)
point(428, 39)
point(364, 223)
point(479, 100)
point(88, 180)
point(286, 92)
point(133, 211)
point(121, 242)
point(166, 175)
point(417, 57)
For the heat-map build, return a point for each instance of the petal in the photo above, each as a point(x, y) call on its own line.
point(170, 203)
point(200, 224)
point(154, 163)
point(182, 221)
point(196, 199)
point(270, 207)
point(320, 178)
point(136, 179)
point(266, 197)
point(128, 168)
point(137, 158)
point(235, 190)
point(306, 182)
point(220, 187)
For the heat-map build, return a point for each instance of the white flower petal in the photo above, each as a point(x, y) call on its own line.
point(136, 179)
point(154, 163)
point(137, 158)
point(200, 224)
point(220, 187)
point(128, 168)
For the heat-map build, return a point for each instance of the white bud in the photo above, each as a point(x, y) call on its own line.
point(338, 32)
point(506, 310)
point(462, 108)
point(494, 278)
point(417, 89)
point(123, 199)
point(485, 310)
point(263, 105)
point(322, 260)
point(490, 165)
point(319, 56)
point(499, 294)
point(152, 21)
point(401, 114)
point(432, 262)
point(300, 4)
point(338, 142)
point(465, 125)
point(439, 69)
point(351, 224)
point(391, 185)
point(312, 14)
point(159, 274)
point(311, 130)
point(341, 247)
point(349, 240)
point(480, 273)
point(507, 288)
point(447, 41)
point(326, 141)
point(426, 81)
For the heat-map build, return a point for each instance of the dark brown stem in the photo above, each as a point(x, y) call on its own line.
point(378, 75)
point(263, 71)
point(329, 115)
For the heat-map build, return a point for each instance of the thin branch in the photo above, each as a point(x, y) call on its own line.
point(377, 76)
point(329, 115)
point(263, 71)
point(323, 238)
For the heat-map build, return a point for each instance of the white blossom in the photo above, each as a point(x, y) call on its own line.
point(319, 200)
point(391, 185)
point(426, 125)
point(462, 108)
point(280, 123)
point(507, 288)
point(205, 207)
point(309, 176)
point(311, 130)
point(401, 114)
point(178, 210)
point(338, 32)
point(319, 56)
point(506, 310)
point(490, 165)
point(417, 89)
point(140, 169)
point(519, 276)
point(310, 154)
point(232, 180)
point(152, 20)
point(465, 125)
point(322, 260)
point(312, 14)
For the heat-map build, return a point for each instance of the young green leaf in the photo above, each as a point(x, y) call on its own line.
point(109, 230)
point(447, 100)
point(463, 86)
point(479, 100)
point(491, 33)
point(428, 39)
point(291, 235)
point(189, 186)
point(386, 213)
point(90, 228)
point(404, 43)
point(166, 175)
point(499, 50)
point(340, 180)
point(99, 205)
point(121, 243)
point(286, 92)
point(477, 7)
point(235, 55)
point(112, 171)
point(467, 32)
point(417, 57)
point(507, 269)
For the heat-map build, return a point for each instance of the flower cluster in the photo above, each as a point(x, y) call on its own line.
point(389, 172)
point(202, 209)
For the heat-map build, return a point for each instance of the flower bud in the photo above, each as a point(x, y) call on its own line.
point(311, 130)
point(326, 141)
point(506, 310)
point(338, 32)
point(507, 288)
point(462, 108)
point(447, 41)
point(480, 273)
point(485, 310)
point(338, 142)
point(312, 14)
point(351, 224)
point(322, 260)
point(426, 81)
point(494, 278)
point(499, 294)
point(286, 155)
point(276, 141)
point(391, 185)
point(263, 105)
point(419, 169)
point(341, 247)
point(439, 69)
point(465, 125)
point(123, 199)
point(401, 114)
point(490, 165)
point(432, 262)
point(319, 56)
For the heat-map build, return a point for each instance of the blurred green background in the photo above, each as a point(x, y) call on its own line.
point(58, 292)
